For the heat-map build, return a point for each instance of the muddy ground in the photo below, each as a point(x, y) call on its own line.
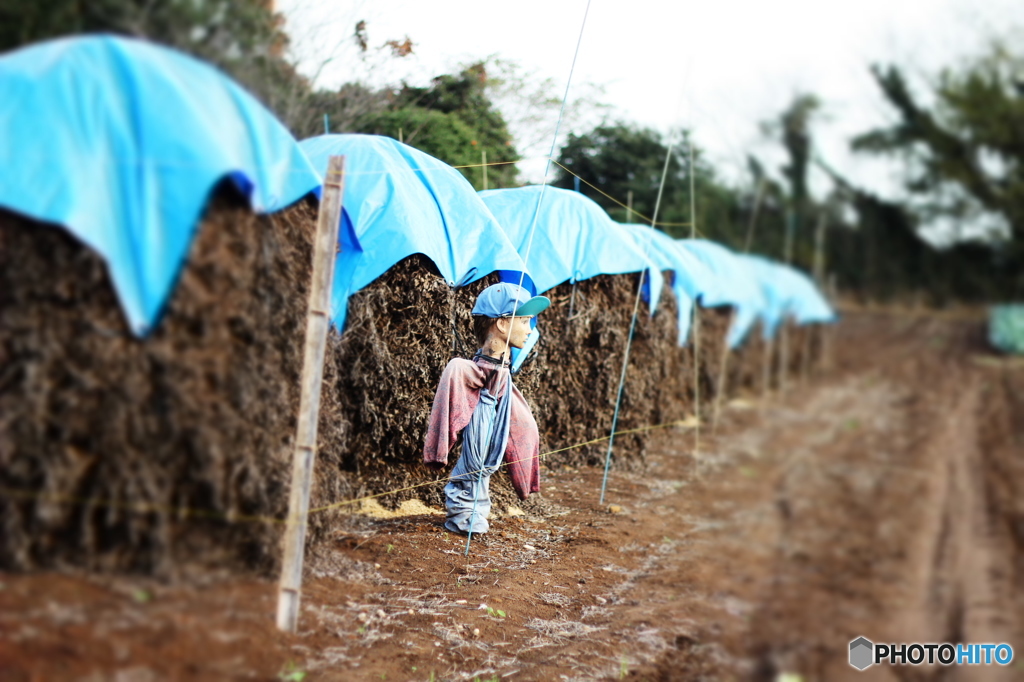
point(884, 498)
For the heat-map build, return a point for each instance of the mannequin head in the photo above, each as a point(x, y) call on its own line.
point(496, 333)
point(501, 317)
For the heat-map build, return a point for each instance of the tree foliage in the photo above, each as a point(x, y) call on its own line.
point(963, 158)
point(622, 158)
point(454, 120)
point(245, 38)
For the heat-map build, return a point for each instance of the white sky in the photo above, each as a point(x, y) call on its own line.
point(720, 66)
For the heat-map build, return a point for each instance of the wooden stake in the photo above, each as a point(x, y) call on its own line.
point(318, 320)
point(766, 368)
point(483, 160)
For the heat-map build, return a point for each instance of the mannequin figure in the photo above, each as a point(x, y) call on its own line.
point(478, 398)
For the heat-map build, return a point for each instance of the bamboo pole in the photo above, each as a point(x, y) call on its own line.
point(722, 375)
point(696, 308)
point(483, 161)
point(818, 272)
point(819, 250)
point(827, 333)
point(318, 320)
point(783, 340)
point(753, 215)
point(805, 353)
point(783, 368)
point(766, 368)
point(726, 351)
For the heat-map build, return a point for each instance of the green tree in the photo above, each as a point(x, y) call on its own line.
point(790, 207)
point(244, 38)
point(622, 158)
point(963, 157)
point(454, 120)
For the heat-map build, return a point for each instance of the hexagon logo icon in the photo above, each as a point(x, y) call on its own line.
point(861, 653)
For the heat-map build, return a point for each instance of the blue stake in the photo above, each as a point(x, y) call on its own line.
point(327, 125)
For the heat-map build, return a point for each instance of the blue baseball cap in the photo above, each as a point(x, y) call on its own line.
point(509, 300)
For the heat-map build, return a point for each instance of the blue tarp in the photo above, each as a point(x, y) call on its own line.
point(121, 142)
point(574, 238)
point(400, 201)
point(788, 293)
point(808, 304)
point(736, 287)
point(691, 279)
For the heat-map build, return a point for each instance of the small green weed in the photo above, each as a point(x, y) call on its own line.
point(496, 613)
point(291, 673)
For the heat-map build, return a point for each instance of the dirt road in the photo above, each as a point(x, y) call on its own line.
point(883, 500)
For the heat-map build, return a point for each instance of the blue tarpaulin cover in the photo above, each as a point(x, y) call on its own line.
point(808, 305)
point(574, 238)
point(788, 293)
point(736, 287)
point(400, 201)
point(691, 278)
point(121, 142)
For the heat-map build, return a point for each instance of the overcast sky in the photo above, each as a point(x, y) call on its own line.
point(720, 66)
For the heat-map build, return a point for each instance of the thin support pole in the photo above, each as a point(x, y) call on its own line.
point(696, 379)
point(819, 250)
point(783, 356)
point(632, 328)
point(696, 305)
point(787, 254)
point(826, 340)
point(723, 375)
point(318, 321)
point(805, 354)
point(754, 215)
point(766, 368)
point(483, 166)
point(327, 125)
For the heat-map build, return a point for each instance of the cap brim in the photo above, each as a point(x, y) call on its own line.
point(535, 306)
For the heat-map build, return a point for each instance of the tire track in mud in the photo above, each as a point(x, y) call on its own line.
point(897, 535)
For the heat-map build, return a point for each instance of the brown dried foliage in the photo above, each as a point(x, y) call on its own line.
point(126, 453)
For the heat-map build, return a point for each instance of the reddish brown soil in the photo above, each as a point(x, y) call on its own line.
point(884, 499)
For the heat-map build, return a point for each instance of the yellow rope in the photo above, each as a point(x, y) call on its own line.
point(144, 507)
